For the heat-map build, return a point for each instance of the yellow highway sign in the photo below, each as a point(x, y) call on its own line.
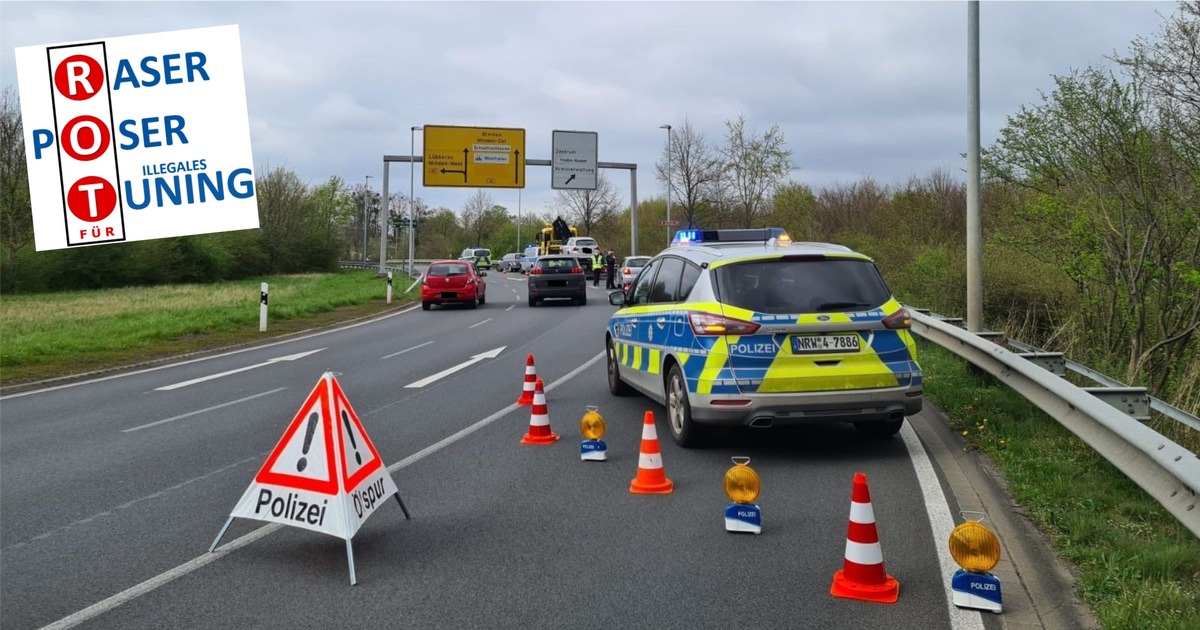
point(474, 157)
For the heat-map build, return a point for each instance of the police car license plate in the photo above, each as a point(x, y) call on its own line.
point(807, 344)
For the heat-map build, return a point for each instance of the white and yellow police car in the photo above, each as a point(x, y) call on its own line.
point(747, 328)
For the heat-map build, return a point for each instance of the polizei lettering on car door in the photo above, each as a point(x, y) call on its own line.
point(290, 507)
point(366, 498)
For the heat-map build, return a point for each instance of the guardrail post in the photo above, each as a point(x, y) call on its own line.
point(1133, 401)
point(1055, 362)
point(389, 289)
point(262, 309)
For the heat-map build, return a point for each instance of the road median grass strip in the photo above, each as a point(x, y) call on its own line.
point(53, 335)
point(1137, 566)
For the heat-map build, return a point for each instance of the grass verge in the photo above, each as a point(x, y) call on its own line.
point(50, 335)
point(1137, 566)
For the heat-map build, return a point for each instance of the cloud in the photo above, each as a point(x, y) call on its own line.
point(858, 88)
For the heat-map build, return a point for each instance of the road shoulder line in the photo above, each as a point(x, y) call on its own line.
point(1039, 588)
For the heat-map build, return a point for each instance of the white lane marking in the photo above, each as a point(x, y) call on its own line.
point(215, 356)
point(198, 562)
point(128, 504)
point(200, 411)
point(510, 307)
point(396, 354)
point(290, 357)
point(941, 522)
point(490, 354)
point(480, 323)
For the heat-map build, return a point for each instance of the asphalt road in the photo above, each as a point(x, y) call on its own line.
point(113, 490)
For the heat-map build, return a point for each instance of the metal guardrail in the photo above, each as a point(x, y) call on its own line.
point(1167, 471)
point(403, 268)
point(1163, 407)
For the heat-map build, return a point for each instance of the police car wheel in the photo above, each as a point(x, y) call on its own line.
point(684, 431)
point(616, 386)
point(880, 429)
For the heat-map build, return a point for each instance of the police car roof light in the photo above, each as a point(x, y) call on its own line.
point(741, 235)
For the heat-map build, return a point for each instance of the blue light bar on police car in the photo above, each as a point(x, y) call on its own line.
point(761, 235)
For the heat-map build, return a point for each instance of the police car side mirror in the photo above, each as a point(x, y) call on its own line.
point(617, 298)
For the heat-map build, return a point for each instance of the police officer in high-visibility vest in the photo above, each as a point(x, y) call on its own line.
point(597, 264)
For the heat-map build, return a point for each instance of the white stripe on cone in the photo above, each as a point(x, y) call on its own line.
point(862, 513)
point(864, 553)
point(539, 420)
point(650, 461)
point(648, 432)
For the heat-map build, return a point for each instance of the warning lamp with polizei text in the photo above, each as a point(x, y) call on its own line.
point(136, 138)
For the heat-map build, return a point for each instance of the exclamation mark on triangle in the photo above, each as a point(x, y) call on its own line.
point(308, 436)
point(350, 434)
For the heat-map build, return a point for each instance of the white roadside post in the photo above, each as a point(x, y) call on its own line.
point(389, 299)
point(262, 309)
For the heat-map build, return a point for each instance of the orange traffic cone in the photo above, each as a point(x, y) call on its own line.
point(526, 397)
point(539, 418)
point(651, 478)
point(862, 575)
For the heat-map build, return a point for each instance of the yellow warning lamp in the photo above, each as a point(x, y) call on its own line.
point(974, 547)
point(742, 484)
point(591, 425)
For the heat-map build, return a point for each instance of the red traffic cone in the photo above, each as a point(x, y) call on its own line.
point(651, 478)
point(539, 419)
point(862, 575)
point(526, 397)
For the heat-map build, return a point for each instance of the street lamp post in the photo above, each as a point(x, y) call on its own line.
point(412, 201)
point(366, 213)
point(668, 226)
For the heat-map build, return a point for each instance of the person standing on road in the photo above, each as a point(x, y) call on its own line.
point(610, 262)
point(597, 263)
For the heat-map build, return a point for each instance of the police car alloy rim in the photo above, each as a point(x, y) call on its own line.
point(612, 366)
point(675, 404)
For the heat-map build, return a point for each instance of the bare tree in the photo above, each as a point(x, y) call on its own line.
point(16, 215)
point(693, 170)
point(1170, 64)
point(755, 164)
point(477, 215)
point(588, 208)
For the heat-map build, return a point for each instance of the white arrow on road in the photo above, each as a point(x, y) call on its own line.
point(490, 354)
point(290, 357)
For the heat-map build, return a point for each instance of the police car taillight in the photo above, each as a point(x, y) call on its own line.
point(709, 324)
point(899, 320)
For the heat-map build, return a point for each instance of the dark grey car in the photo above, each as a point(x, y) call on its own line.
point(557, 277)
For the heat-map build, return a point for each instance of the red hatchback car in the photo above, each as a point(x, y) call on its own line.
point(453, 282)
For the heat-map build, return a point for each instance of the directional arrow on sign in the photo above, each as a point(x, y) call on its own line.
point(464, 168)
point(490, 354)
point(569, 179)
point(517, 167)
point(290, 357)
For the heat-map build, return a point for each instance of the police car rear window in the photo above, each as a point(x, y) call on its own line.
point(811, 286)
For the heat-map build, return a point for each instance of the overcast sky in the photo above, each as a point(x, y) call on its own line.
point(858, 88)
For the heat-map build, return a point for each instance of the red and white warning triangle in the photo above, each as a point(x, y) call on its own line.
point(324, 474)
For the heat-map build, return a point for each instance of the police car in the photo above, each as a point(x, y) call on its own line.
point(747, 328)
point(480, 256)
